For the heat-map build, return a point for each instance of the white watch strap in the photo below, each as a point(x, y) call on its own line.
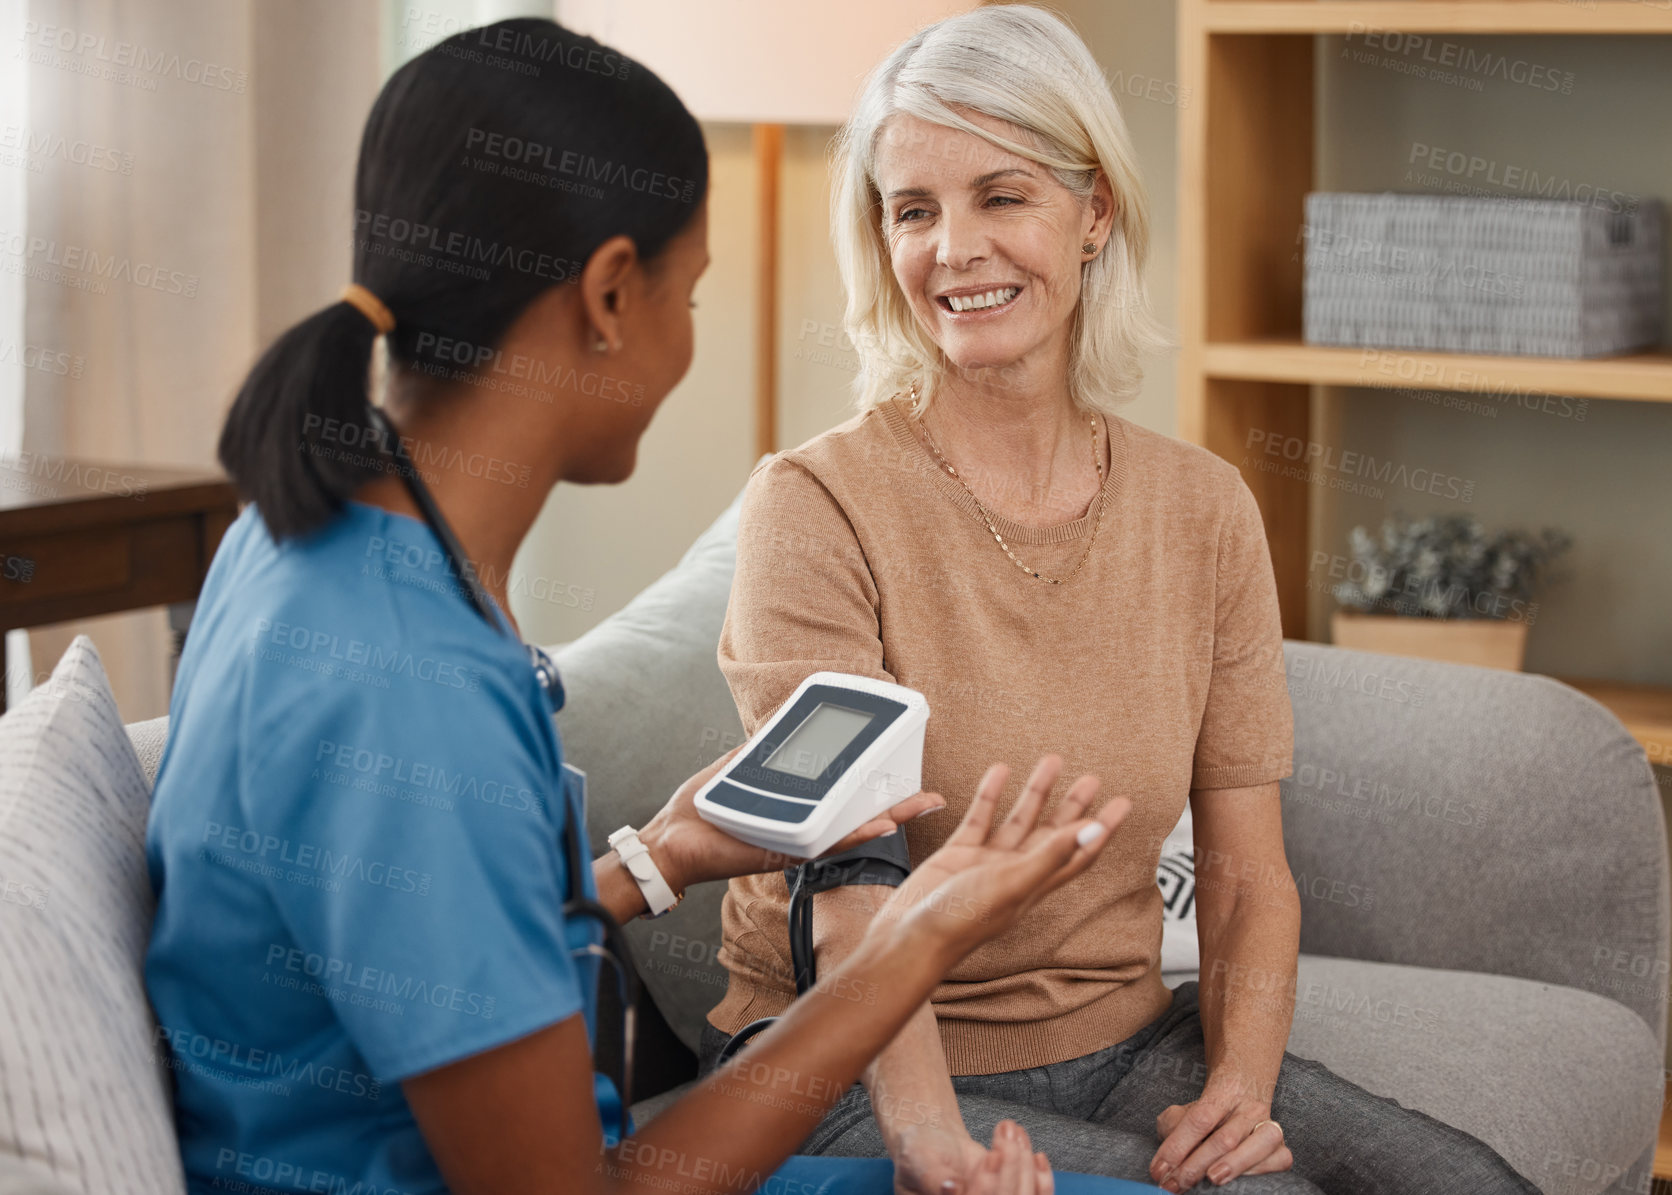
point(635, 857)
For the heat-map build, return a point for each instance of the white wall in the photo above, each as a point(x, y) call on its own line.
point(593, 548)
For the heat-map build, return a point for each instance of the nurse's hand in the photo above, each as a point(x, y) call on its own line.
point(689, 850)
point(985, 877)
point(938, 1160)
point(1010, 1167)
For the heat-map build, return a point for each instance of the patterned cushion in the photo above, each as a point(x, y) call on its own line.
point(1175, 875)
point(84, 1102)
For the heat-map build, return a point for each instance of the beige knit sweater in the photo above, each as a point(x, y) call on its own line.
point(1158, 668)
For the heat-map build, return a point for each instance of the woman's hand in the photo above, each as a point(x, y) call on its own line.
point(983, 879)
point(689, 850)
point(1214, 1136)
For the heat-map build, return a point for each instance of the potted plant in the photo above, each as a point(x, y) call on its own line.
point(1442, 588)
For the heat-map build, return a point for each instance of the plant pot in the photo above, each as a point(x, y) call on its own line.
point(1486, 642)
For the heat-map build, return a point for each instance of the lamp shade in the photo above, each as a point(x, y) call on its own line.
point(758, 61)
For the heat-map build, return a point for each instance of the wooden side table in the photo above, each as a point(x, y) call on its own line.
point(79, 539)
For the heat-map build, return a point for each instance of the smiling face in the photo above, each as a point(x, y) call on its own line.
point(986, 246)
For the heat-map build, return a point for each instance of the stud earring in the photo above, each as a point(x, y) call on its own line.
point(600, 345)
point(1089, 247)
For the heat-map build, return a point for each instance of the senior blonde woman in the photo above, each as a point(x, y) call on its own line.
point(1054, 578)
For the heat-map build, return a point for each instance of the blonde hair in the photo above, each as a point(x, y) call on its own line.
point(1025, 66)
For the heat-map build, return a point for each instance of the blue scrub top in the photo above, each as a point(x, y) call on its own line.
point(356, 846)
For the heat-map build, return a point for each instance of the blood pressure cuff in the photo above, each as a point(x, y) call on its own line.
point(880, 861)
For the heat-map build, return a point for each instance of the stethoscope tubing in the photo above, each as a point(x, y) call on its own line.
point(614, 946)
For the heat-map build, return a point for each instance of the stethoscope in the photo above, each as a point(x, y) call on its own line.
point(613, 949)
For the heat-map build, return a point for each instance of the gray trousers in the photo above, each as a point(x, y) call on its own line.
point(1096, 1115)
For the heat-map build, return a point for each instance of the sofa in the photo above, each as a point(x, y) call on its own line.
point(1481, 858)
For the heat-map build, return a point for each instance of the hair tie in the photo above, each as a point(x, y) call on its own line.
point(370, 306)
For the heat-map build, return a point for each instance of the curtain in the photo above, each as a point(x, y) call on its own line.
point(206, 147)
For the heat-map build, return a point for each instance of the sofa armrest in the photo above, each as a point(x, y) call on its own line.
point(1472, 819)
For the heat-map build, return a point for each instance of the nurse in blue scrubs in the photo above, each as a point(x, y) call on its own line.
point(376, 946)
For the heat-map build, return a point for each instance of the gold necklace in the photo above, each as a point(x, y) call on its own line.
point(988, 519)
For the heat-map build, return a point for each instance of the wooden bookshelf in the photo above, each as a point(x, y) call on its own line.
point(1646, 711)
point(1663, 1145)
point(1434, 16)
point(1245, 167)
point(1644, 377)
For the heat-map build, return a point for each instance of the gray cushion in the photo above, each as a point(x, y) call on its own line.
point(1545, 1075)
point(646, 708)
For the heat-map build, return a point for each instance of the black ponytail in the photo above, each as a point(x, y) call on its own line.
point(292, 441)
point(492, 166)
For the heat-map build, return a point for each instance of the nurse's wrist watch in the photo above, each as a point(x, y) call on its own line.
point(635, 857)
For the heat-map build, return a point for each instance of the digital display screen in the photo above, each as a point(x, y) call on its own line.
point(818, 740)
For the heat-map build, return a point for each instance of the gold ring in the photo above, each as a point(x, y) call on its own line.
point(1256, 1128)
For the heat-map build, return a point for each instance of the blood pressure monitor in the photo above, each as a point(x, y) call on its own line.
point(840, 751)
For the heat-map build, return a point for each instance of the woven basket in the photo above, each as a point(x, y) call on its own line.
point(1519, 277)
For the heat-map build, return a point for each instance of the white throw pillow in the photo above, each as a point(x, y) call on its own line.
point(1175, 875)
point(84, 1100)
